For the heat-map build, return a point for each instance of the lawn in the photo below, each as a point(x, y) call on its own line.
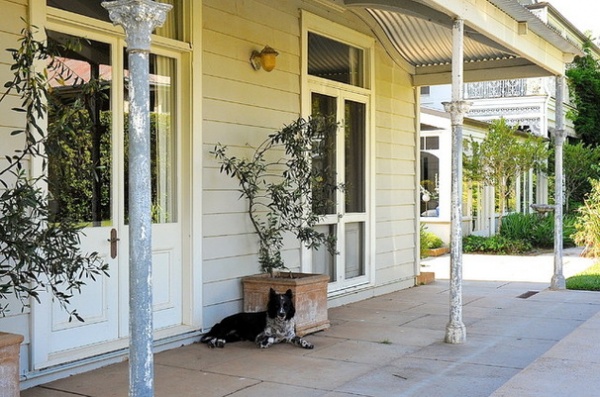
point(588, 280)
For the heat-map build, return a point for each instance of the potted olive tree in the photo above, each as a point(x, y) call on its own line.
point(37, 251)
point(287, 187)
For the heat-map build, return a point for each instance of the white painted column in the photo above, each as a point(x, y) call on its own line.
point(139, 18)
point(558, 279)
point(455, 330)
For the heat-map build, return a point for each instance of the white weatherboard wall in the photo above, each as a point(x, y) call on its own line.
point(241, 106)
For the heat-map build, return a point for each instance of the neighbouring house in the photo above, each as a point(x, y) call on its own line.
point(363, 61)
point(436, 173)
point(527, 102)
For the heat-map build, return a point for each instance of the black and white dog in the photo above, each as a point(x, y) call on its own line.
point(266, 328)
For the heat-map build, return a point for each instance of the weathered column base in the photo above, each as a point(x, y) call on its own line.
point(456, 332)
point(558, 282)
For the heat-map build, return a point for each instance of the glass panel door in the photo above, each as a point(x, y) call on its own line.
point(83, 184)
point(346, 217)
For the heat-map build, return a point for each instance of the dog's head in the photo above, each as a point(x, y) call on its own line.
point(280, 305)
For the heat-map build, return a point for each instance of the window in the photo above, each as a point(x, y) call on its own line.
point(333, 60)
point(430, 170)
point(430, 143)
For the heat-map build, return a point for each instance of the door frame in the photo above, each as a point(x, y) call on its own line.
point(316, 24)
point(190, 274)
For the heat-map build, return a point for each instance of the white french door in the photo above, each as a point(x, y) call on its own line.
point(88, 179)
point(346, 217)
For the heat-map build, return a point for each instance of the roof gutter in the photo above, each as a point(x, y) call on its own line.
point(521, 14)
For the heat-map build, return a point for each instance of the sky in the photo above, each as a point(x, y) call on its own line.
point(584, 14)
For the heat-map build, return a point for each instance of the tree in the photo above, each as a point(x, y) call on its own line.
point(288, 185)
point(501, 157)
point(584, 85)
point(580, 164)
point(588, 223)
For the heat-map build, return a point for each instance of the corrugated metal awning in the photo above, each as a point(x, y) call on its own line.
point(423, 43)
point(420, 31)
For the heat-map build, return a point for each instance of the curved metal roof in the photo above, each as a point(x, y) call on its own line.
point(420, 32)
point(423, 43)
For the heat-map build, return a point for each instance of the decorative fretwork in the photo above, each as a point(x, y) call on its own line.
point(497, 89)
point(503, 111)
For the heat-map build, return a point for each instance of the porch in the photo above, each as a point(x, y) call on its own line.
point(519, 342)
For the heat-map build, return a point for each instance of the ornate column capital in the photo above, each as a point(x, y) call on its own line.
point(138, 18)
point(457, 110)
point(560, 135)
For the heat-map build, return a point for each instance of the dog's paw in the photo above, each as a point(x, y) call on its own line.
point(303, 343)
point(265, 342)
point(306, 344)
point(216, 342)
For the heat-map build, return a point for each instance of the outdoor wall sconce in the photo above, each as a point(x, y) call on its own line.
point(265, 59)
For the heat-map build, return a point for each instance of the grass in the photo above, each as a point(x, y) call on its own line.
point(587, 280)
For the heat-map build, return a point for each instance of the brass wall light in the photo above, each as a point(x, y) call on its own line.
point(265, 59)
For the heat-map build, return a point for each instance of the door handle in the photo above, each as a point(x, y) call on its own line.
point(113, 243)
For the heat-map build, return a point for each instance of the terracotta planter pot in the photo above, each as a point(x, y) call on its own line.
point(438, 251)
point(10, 345)
point(310, 297)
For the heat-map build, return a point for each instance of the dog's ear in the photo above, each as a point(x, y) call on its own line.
point(288, 293)
point(272, 292)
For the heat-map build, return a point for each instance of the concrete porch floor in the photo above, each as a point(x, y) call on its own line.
point(392, 345)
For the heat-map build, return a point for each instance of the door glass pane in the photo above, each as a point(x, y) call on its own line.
point(354, 155)
point(323, 105)
point(354, 264)
point(79, 145)
point(172, 28)
point(323, 260)
point(163, 141)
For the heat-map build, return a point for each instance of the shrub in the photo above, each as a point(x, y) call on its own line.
point(497, 244)
point(518, 226)
point(428, 241)
point(588, 224)
point(537, 230)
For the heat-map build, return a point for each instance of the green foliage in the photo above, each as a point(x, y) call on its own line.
point(537, 230)
point(496, 244)
point(588, 280)
point(520, 233)
point(428, 241)
point(588, 224)
point(584, 87)
point(36, 251)
point(518, 226)
point(501, 157)
point(286, 189)
point(580, 164)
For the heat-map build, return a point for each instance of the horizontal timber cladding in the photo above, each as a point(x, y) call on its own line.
point(242, 106)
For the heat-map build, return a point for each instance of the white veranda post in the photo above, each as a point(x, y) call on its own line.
point(455, 330)
point(558, 279)
point(139, 18)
